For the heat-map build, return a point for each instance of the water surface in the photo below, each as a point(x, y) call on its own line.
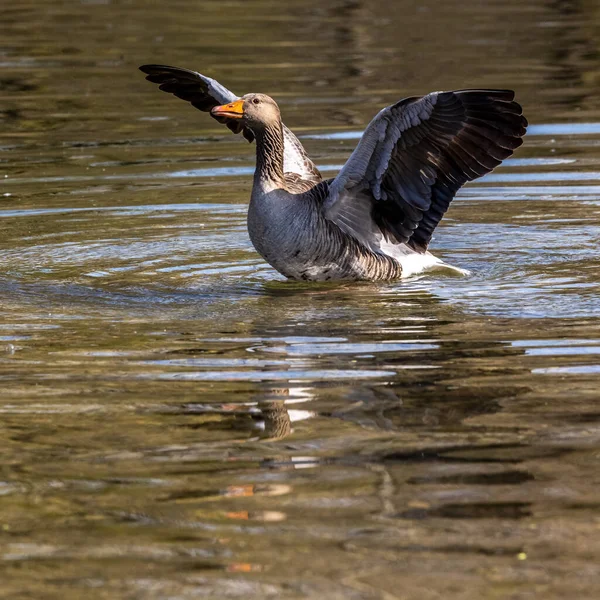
point(180, 422)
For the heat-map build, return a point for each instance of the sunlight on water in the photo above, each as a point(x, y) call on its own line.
point(180, 422)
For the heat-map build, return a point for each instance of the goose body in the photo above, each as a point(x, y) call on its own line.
point(374, 221)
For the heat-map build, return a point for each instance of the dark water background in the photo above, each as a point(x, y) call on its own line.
point(179, 422)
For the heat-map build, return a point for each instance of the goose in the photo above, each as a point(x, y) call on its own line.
point(375, 219)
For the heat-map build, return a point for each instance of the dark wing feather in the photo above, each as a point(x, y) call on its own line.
point(200, 91)
point(205, 93)
point(413, 158)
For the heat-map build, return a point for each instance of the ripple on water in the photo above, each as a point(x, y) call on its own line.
point(312, 349)
point(179, 422)
point(287, 375)
point(570, 370)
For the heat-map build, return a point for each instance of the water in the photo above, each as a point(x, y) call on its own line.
point(179, 422)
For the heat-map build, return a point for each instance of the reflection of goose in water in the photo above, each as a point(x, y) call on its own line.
point(270, 416)
point(375, 220)
point(276, 420)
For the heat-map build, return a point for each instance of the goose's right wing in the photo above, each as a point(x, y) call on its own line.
point(205, 93)
point(413, 158)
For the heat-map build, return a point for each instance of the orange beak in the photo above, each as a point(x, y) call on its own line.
point(233, 110)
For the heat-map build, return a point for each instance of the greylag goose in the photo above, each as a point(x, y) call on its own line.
point(375, 219)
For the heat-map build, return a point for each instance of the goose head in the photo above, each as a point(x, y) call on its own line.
point(255, 111)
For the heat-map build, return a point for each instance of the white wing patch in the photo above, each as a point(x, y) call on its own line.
point(414, 263)
point(295, 159)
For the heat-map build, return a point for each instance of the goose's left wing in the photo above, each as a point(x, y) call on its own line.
point(205, 93)
point(413, 158)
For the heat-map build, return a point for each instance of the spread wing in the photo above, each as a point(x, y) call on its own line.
point(205, 93)
point(413, 158)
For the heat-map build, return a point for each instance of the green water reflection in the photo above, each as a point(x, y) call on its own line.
point(178, 422)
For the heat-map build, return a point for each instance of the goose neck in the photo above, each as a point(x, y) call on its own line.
point(269, 156)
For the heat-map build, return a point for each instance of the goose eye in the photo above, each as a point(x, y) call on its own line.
point(256, 101)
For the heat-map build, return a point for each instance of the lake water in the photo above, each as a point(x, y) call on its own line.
point(177, 421)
